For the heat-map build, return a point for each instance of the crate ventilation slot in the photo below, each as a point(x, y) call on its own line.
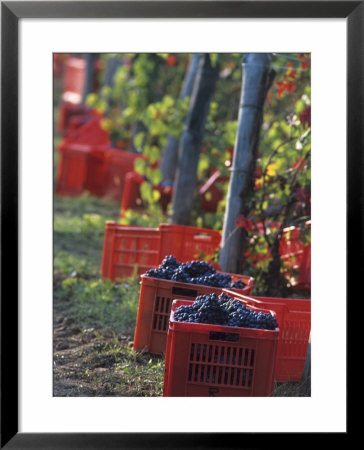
point(221, 365)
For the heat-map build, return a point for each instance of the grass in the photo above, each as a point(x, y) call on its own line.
point(99, 312)
point(135, 374)
point(101, 304)
point(78, 234)
point(78, 245)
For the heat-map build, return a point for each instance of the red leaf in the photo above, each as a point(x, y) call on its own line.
point(245, 223)
point(305, 116)
point(292, 74)
point(171, 60)
point(291, 87)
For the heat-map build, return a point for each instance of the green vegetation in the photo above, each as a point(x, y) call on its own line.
point(96, 312)
point(79, 225)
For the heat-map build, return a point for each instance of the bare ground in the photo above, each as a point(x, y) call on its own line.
point(79, 368)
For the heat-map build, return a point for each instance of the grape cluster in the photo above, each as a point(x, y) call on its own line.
point(205, 309)
point(224, 310)
point(238, 284)
point(166, 269)
point(195, 272)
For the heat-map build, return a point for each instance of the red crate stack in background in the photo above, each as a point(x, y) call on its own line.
point(296, 255)
point(104, 168)
point(131, 196)
point(72, 170)
point(146, 247)
point(118, 164)
point(186, 243)
point(128, 247)
point(74, 79)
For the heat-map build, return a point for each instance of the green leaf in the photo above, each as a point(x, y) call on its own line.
point(300, 105)
point(106, 91)
point(140, 166)
point(203, 163)
point(146, 192)
point(138, 140)
point(154, 154)
point(101, 105)
point(156, 195)
point(155, 176)
point(91, 100)
point(214, 59)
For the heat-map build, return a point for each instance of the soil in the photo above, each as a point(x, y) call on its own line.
point(94, 362)
point(79, 368)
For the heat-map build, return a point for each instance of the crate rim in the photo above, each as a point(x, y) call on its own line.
point(144, 276)
point(262, 299)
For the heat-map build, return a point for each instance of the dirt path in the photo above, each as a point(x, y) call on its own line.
point(81, 367)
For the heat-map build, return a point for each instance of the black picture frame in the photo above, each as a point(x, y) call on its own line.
point(11, 12)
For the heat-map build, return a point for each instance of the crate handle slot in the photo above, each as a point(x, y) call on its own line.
point(184, 291)
point(202, 235)
point(222, 336)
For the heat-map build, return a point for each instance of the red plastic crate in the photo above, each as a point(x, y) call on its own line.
point(78, 120)
point(131, 196)
point(73, 176)
point(147, 247)
point(155, 301)
point(204, 360)
point(72, 170)
point(291, 248)
point(81, 168)
point(211, 195)
point(126, 247)
point(294, 254)
point(68, 112)
point(81, 118)
point(118, 164)
point(91, 133)
point(294, 320)
point(97, 168)
point(106, 166)
point(304, 271)
point(74, 79)
point(186, 243)
point(59, 60)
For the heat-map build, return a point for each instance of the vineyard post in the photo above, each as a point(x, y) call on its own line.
point(191, 141)
point(170, 154)
point(255, 84)
point(90, 71)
